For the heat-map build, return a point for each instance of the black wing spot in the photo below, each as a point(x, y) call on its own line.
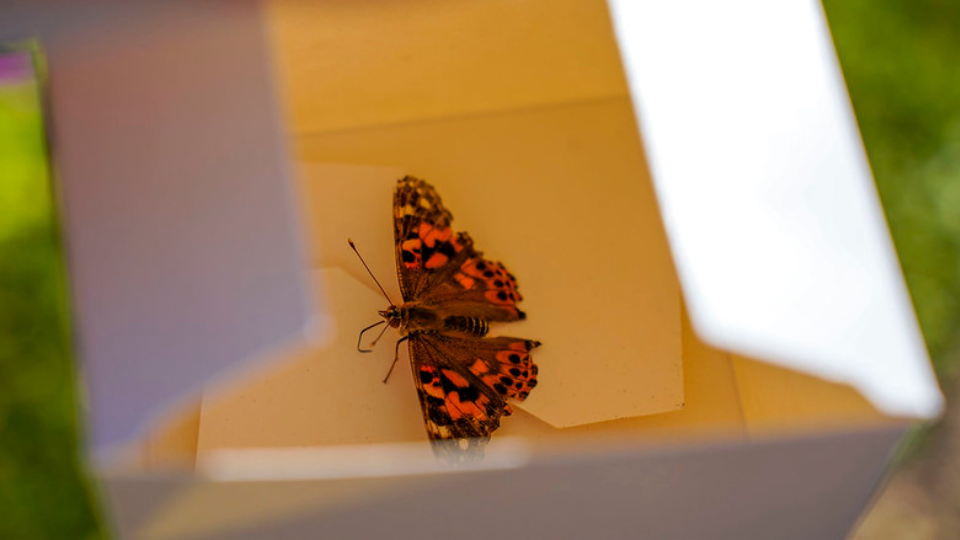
point(436, 415)
point(469, 393)
point(447, 249)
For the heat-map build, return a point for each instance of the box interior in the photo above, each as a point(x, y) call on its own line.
point(521, 116)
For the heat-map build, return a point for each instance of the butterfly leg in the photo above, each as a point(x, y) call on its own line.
point(396, 356)
point(360, 337)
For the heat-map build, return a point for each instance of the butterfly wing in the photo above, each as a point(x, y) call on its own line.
point(464, 383)
point(437, 266)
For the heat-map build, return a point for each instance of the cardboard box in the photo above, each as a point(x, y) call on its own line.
point(764, 403)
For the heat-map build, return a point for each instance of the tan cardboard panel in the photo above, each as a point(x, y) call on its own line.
point(712, 407)
point(612, 344)
point(173, 444)
point(349, 63)
point(780, 400)
point(321, 396)
point(773, 400)
point(561, 194)
point(341, 202)
point(293, 404)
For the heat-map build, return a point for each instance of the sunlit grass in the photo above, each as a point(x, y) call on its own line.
point(24, 171)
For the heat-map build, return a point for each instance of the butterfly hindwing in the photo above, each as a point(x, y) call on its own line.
point(464, 383)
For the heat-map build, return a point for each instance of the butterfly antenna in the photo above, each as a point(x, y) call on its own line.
point(385, 295)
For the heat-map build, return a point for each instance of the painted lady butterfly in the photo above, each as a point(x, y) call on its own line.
point(450, 294)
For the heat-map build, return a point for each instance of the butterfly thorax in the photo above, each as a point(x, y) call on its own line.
point(413, 317)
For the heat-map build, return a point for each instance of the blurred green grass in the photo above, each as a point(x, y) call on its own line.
point(44, 491)
point(901, 61)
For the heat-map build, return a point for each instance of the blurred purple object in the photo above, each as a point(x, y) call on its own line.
point(184, 252)
point(15, 67)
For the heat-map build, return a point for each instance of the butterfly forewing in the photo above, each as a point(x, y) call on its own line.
point(437, 266)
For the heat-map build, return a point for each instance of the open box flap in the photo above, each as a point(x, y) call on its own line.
point(809, 486)
point(183, 252)
point(774, 221)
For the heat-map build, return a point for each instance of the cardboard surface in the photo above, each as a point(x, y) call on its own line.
point(562, 196)
point(776, 400)
point(321, 396)
point(628, 326)
point(354, 63)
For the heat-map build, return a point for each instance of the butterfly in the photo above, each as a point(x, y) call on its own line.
point(451, 293)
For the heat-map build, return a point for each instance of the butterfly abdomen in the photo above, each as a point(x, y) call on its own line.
point(468, 325)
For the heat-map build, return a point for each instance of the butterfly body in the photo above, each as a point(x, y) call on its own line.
point(450, 295)
point(410, 318)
